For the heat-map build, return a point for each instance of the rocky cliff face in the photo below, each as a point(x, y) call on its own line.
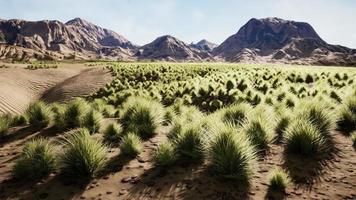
point(278, 40)
point(76, 37)
point(171, 49)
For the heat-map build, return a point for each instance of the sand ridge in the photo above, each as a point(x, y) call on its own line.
point(20, 86)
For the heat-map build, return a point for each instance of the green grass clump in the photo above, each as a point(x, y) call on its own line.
point(37, 160)
point(260, 127)
point(347, 116)
point(278, 180)
point(83, 155)
point(75, 113)
point(92, 121)
point(39, 114)
point(131, 145)
point(353, 139)
point(4, 125)
point(189, 142)
point(59, 115)
point(165, 155)
point(303, 138)
point(142, 116)
point(231, 154)
point(237, 114)
point(319, 115)
point(113, 132)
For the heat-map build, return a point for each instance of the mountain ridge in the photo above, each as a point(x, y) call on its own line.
point(270, 39)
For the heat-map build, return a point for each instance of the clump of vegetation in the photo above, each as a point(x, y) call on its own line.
point(353, 139)
point(231, 154)
point(259, 128)
point(38, 159)
point(347, 116)
point(131, 144)
point(83, 155)
point(303, 138)
point(92, 121)
point(113, 132)
point(237, 114)
point(189, 142)
point(75, 113)
point(39, 114)
point(165, 155)
point(278, 180)
point(4, 125)
point(142, 117)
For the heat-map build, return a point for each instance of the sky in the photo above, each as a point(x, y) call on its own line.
point(141, 21)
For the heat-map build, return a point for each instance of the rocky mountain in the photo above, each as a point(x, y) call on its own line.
point(259, 40)
point(204, 45)
point(76, 38)
point(278, 40)
point(170, 49)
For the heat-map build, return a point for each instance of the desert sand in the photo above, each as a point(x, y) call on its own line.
point(20, 86)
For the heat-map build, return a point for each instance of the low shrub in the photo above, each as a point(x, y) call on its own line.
point(38, 159)
point(278, 180)
point(347, 116)
point(92, 121)
point(75, 113)
point(165, 155)
point(39, 114)
point(113, 132)
point(189, 142)
point(303, 138)
point(237, 114)
point(131, 145)
point(83, 155)
point(231, 154)
point(142, 116)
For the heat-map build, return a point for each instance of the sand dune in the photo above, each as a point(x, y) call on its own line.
point(20, 86)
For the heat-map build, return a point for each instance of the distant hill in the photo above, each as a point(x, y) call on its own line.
point(259, 40)
point(204, 45)
point(278, 40)
point(171, 49)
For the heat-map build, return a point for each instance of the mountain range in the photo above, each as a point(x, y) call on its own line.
point(271, 40)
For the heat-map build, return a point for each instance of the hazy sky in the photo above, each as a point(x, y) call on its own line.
point(141, 21)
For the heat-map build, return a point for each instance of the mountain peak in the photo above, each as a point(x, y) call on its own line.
point(77, 21)
point(204, 45)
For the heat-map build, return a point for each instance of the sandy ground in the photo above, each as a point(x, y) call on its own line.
point(138, 178)
point(20, 86)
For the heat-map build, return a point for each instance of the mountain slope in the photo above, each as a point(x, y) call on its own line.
point(204, 45)
point(171, 49)
point(278, 40)
point(77, 37)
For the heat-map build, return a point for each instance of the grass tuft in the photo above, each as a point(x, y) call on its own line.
point(37, 160)
point(165, 155)
point(113, 132)
point(131, 145)
point(142, 116)
point(39, 114)
point(231, 154)
point(278, 180)
point(83, 155)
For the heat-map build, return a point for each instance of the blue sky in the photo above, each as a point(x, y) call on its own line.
point(141, 21)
